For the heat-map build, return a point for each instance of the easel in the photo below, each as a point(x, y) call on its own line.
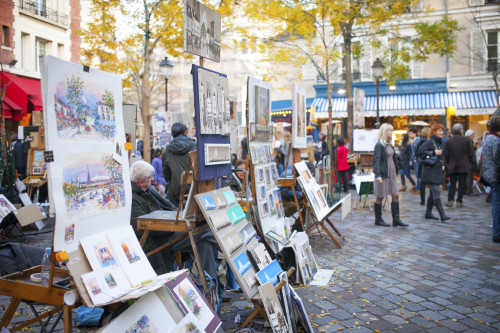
point(257, 302)
point(19, 286)
point(173, 223)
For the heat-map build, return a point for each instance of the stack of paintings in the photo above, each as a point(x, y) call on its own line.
point(236, 237)
point(312, 190)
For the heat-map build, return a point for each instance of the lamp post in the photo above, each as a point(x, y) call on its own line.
point(378, 71)
point(166, 69)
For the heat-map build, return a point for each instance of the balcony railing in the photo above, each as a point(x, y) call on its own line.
point(44, 12)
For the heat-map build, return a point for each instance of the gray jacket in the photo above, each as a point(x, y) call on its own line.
point(174, 161)
point(491, 159)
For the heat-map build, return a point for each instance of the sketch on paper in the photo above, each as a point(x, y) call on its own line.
point(162, 128)
point(143, 324)
point(92, 184)
point(273, 308)
point(202, 30)
point(84, 110)
point(193, 301)
point(129, 251)
point(207, 119)
point(217, 154)
point(69, 233)
point(104, 255)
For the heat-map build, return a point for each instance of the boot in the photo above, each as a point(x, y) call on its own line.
point(395, 215)
point(439, 206)
point(428, 212)
point(402, 189)
point(422, 194)
point(378, 216)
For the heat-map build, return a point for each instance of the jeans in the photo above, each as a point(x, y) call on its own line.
point(462, 178)
point(405, 171)
point(495, 209)
point(415, 169)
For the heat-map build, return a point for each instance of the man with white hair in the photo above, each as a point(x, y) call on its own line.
point(146, 200)
point(458, 155)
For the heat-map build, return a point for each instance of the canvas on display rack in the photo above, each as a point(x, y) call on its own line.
point(299, 121)
point(270, 273)
point(217, 154)
point(147, 314)
point(236, 214)
point(232, 241)
point(247, 233)
point(220, 200)
point(273, 308)
point(220, 220)
point(242, 263)
point(89, 184)
point(259, 106)
point(191, 300)
point(260, 256)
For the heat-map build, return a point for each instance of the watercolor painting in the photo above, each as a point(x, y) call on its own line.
point(187, 325)
point(85, 111)
point(143, 325)
point(110, 280)
point(192, 299)
point(69, 233)
point(129, 251)
point(94, 286)
point(299, 121)
point(92, 184)
point(104, 256)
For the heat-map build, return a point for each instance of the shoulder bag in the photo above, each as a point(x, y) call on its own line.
point(429, 161)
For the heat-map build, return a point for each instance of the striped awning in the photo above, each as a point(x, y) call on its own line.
point(466, 103)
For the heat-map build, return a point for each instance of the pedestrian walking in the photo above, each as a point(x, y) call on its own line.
point(491, 171)
point(458, 155)
point(405, 154)
point(414, 139)
point(159, 181)
point(469, 134)
point(386, 182)
point(424, 135)
point(342, 165)
point(432, 174)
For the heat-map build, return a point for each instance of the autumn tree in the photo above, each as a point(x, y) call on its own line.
point(329, 32)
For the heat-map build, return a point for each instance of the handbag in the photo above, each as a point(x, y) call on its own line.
point(429, 161)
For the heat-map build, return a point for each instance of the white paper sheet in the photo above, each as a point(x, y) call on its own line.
point(322, 277)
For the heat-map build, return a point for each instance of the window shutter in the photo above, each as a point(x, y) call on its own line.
point(417, 71)
point(478, 53)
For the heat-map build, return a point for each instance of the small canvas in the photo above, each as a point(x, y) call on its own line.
point(236, 214)
point(217, 153)
point(220, 200)
point(207, 121)
point(147, 314)
point(192, 301)
point(208, 201)
point(220, 220)
point(299, 122)
point(270, 273)
point(242, 263)
point(305, 270)
point(247, 233)
point(231, 241)
point(312, 261)
point(273, 308)
point(130, 255)
point(259, 110)
point(260, 256)
point(229, 195)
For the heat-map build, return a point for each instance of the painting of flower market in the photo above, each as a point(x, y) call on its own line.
point(92, 184)
point(84, 110)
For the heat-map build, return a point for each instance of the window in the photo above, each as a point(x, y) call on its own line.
point(5, 36)
point(492, 50)
point(40, 50)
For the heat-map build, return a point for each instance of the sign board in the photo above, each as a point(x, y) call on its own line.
point(364, 140)
point(202, 30)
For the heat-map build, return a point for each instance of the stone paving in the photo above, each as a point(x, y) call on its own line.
point(430, 277)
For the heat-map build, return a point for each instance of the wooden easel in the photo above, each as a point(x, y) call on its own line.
point(19, 286)
point(187, 224)
point(259, 306)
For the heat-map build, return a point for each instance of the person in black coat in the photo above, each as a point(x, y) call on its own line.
point(424, 134)
point(433, 175)
point(385, 168)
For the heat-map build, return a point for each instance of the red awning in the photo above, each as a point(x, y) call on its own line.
point(25, 93)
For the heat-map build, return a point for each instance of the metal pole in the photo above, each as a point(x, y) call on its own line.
point(166, 94)
point(377, 121)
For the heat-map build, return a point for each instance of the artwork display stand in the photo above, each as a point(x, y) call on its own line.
point(259, 306)
point(190, 223)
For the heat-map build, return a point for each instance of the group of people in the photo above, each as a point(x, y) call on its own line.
point(433, 157)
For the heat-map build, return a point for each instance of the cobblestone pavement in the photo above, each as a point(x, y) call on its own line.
point(430, 277)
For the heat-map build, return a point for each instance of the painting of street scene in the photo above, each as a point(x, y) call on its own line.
point(84, 110)
point(92, 184)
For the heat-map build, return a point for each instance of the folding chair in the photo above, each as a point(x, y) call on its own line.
point(10, 228)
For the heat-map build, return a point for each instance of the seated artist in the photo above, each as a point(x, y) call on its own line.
point(145, 200)
point(231, 182)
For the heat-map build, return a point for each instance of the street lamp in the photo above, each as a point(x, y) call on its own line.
point(378, 71)
point(166, 69)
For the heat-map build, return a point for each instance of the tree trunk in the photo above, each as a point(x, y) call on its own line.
point(145, 90)
point(330, 124)
point(346, 34)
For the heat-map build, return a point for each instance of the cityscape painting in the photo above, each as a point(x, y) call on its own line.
point(92, 183)
point(84, 110)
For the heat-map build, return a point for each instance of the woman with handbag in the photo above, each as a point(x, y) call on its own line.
point(431, 156)
point(386, 181)
point(424, 134)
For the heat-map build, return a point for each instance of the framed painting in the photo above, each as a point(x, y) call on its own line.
point(299, 123)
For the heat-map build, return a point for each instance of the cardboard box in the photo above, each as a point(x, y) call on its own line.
point(37, 118)
point(35, 141)
point(29, 214)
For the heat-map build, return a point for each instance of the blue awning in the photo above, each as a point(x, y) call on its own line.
point(466, 103)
